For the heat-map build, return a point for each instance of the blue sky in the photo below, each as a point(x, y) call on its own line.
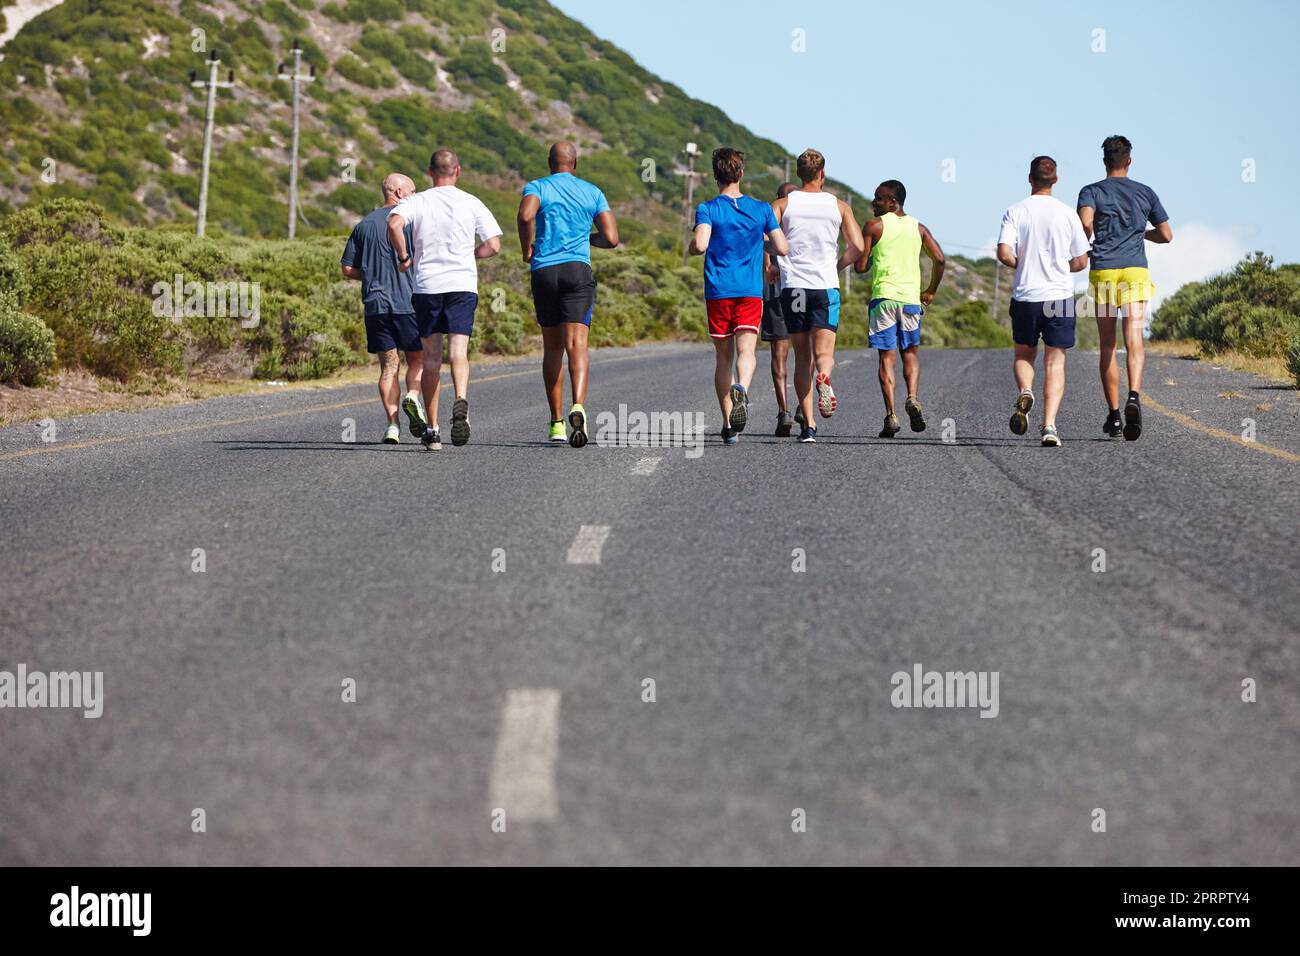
point(894, 90)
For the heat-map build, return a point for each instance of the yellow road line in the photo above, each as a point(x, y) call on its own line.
point(1192, 423)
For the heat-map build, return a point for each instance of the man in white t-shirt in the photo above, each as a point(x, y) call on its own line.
point(451, 230)
point(1043, 240)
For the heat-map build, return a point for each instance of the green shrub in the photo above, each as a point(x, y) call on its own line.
point(54, 219)
point(11, 273)
point(26, 344)
point(1293, 357)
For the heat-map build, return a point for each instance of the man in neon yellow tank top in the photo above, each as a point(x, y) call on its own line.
point(894, 241)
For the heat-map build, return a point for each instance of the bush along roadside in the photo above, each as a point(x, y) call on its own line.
point(1254, 309)
point(134, 304)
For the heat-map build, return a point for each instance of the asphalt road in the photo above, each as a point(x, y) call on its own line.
point(522, 689)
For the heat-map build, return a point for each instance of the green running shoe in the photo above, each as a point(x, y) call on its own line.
point(578, 422)
point(413, 405)
point(558, 433)
point(392, 434)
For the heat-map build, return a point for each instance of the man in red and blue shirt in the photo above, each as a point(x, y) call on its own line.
point(730, 232)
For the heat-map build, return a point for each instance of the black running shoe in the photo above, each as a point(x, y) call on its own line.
point(892, 427)
point(1114, 425)
point(1132, 419)
point(1020, 417)
point(784, 425)
point(459, 422)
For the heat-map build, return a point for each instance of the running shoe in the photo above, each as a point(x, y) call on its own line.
point(825, 396)
point(459, 422)
point(891, 428)
point(1020, 417)
point(1050, 438)
point(578, 422)
point(798, 416)
point(413, 405)
point(808, 434)
point(739, 407)
point(1132, 419)
point(1113, 427)
point(914, 414)
point(432, 440)
point(558, 432)
point(730, 436)
point(392, 434)
point(784, 425)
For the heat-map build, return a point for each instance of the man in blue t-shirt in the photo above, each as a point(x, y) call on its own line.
point(730, 231)
point(1115, 212)
point(555, 235)
point(390, 317)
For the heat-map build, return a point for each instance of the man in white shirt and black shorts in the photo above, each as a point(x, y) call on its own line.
point(452, 230)
point(1043, 240)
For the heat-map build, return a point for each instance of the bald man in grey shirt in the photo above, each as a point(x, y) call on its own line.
point(390, 317)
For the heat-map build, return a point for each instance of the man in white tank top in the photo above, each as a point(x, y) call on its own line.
point(814, 222)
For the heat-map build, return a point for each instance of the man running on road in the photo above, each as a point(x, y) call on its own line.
point(451, 231)
point(386, 296)
point(1115, 212)
point(774, 331)
point(1042, 239)
point(555, 236)
point(730, 230)
point(894, 241)
point(813, 222)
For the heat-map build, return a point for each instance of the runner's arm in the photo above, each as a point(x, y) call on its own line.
point(1085, 217)
point(853, 241)
point(931, 247)
point(397, 238)
point(776, 242)
point(870, 235)
point(352, 272)
point(700, 239)
point(1162, 233)
point(606, 234)
point(488, 248)
point(527, 222)
point(1079, 263)
point(1008, 258)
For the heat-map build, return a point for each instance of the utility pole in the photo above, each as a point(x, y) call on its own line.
point(211, 84)
point(296, 78)
point(691, 152)
point(787, 170)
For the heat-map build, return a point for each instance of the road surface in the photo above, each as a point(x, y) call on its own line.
point(499, 609)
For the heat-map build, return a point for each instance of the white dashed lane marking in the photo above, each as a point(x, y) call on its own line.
point(523, 769)
point(586, 546)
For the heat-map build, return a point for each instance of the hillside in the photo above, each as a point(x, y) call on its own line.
point(98, 95)
point(101, 87)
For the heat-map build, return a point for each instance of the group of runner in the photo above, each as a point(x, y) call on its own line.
point(770, 270)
